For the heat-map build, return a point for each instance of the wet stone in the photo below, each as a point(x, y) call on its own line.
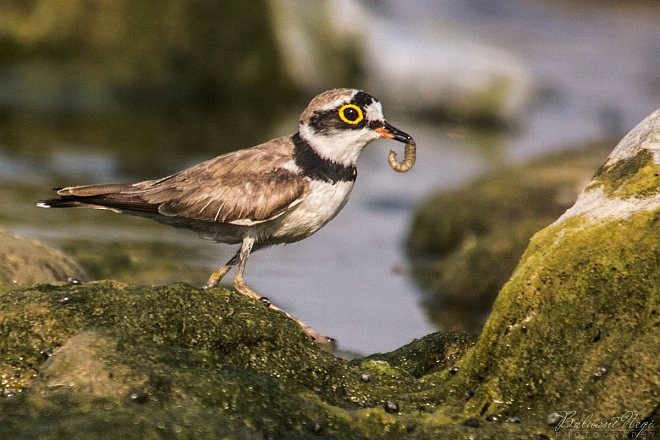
point(472, 422)
point(137, 396)
point(601, 371)
point(493, 418)
point(46, 353)
point(391, 407)
point(317, 426)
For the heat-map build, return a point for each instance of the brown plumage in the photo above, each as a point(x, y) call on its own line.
point(243, 187)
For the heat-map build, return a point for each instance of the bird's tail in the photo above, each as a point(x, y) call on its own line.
point(116, 196)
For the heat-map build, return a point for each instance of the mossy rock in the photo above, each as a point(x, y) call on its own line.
point(465, 244)
point(30, 262)
point(576, 326)
point(130, 361)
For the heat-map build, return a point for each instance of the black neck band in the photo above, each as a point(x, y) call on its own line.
point(317, 167)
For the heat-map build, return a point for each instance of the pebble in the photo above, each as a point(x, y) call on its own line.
point(391, 407)
point(137, 396)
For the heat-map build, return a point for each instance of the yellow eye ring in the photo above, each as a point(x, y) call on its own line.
point(351, 114)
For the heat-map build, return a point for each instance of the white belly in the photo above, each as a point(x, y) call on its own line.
point(324, 201)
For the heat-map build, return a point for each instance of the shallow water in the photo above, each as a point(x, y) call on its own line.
point(597, 73)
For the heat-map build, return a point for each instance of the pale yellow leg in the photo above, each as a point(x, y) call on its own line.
point(216, 276)
point(239, 281)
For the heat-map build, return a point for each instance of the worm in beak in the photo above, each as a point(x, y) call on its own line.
point(410, 152)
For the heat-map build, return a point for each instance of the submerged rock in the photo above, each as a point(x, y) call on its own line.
point(575, 329)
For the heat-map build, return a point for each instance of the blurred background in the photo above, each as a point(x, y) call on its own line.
point(514, 104)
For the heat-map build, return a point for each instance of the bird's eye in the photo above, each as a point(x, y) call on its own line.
point(351, 114)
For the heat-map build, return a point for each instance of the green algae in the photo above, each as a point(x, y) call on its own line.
point(430, 354)
point(131, 361)
point(192, 353)
point(636, 176)
point(581, 337)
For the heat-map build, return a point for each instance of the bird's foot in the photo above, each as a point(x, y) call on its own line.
point(243, 288)
point(316, 336)
point(216, 277)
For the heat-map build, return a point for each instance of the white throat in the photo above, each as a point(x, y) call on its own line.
point(342, 147)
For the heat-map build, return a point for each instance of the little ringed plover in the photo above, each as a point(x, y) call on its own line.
point(277, 192)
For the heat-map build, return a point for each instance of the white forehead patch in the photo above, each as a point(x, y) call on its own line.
point(374, 111)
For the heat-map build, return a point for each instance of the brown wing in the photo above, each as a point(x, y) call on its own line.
point(244, 187)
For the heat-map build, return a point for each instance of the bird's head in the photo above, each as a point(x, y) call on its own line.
point(339, 123)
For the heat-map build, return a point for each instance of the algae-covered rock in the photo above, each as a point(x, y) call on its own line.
point(25, 262)
point(576, 326)
point(129, 362)
point(464, 244)
point(421, 357)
